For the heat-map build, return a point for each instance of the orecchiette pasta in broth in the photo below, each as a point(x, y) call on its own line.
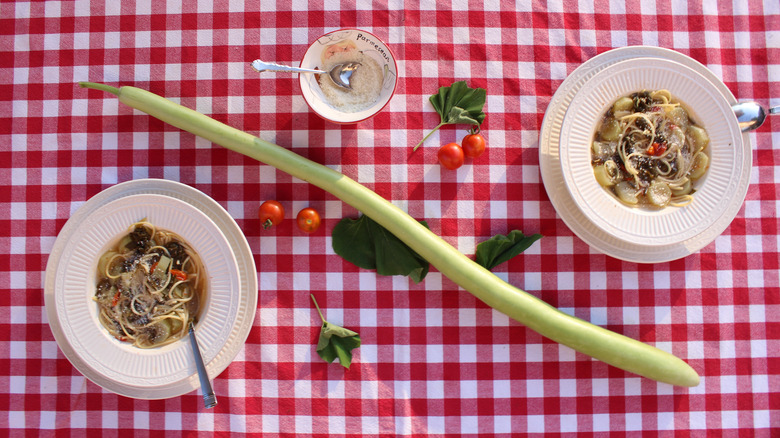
point(648, 152)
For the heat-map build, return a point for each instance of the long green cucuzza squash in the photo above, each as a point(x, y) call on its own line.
point(612, 348)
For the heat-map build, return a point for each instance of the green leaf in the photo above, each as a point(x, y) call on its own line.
point(335, 341)
point(460, 95)
point(499, 248)
point(368, 245)
point(459, 115)
point(458, 103)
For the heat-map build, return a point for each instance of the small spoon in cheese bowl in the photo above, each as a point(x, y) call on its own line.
point(340, 73)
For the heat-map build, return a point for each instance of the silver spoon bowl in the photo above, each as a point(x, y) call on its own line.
point(751, 115)
point(340, 73)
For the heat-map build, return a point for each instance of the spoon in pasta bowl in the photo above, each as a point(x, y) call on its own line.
point(209, 398)
point(751, 115)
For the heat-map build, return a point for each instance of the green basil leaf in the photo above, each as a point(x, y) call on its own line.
point(499, 248)
point(368, 245)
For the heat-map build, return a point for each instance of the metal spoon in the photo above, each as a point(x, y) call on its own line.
point(340, 73)
point(751, 115)
point(209, 398)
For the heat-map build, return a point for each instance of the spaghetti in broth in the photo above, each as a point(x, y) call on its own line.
point(648, 152)
point(149, 287)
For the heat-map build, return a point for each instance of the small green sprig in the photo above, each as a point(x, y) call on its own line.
point(335, 342)
point(458, 103)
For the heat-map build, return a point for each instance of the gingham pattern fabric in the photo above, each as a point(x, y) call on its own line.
point(434, 360)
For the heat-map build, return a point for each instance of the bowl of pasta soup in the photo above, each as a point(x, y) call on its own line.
point(649, 151)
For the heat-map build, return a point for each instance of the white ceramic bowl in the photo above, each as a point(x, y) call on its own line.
point(121, 367)
point(347, 39)
point(715, 192)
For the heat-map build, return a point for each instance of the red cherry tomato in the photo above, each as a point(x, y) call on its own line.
point(271, 213)
point(308, 220)
point(473, 145)
point(451, 156)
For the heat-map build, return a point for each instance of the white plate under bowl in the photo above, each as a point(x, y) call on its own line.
point(224, 323)
point(567, 209)
point(645, 226)
point(78, 313)
point(365, 42)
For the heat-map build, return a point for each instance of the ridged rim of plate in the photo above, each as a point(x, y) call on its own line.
point(247, 297)
point(706, 106)
point(75, 287)
point(550, 168)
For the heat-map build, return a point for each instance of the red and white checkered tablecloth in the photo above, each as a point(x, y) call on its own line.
point(434, 360)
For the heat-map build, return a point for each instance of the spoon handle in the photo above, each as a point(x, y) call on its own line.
point(774, 110)
point(261, 66)
point(209, 398)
